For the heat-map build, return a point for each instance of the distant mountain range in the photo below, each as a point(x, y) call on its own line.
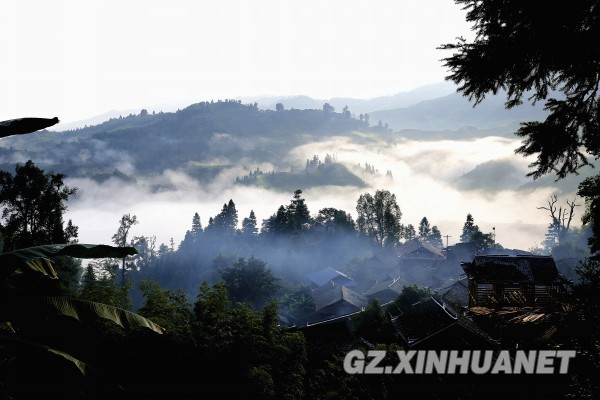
point(359, 106)
point(207, 138)
point(436, 107)
point(454, 111)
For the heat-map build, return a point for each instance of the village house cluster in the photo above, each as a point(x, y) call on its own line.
point(499, 299)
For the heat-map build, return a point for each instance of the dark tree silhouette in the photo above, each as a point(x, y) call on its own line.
point(33, 203)
point(22, 126)
point(531, 49)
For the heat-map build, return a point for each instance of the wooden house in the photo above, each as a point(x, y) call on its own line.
point(431, 324)
point(385, 291)
point(327, 275)
point(333, 300)
point(419, 252)
point(514, 281)
point(456, 294)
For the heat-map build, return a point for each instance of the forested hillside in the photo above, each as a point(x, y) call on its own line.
point(201, 140)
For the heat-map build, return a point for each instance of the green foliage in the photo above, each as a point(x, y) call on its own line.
point(293, 219)
point(170, 309)
point(373, 324)
point(99, 284)
point(22, 274)
point(89, 311)
point(518, 48)
point(120, 239)
point(482, 240)
point(410, 295)
point(249, 281)
point(469, 228)
point(472, 234)
point(590, 189)
point(268, 360)
point(33, 207)
point(409, 232)
point(35, 314)
point(211, 311)
point(125, 224)
point(29, 269)
point(249, 228)
point(196, 226)
point(298, 213)
point(224, 223)
point(379, 217)
point(424, 228)
point(338, 221)
point(429, 233)
point(435, 237)
point(324, 174)
point(298, 302)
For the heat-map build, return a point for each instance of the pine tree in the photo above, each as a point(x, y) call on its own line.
point(410, 232)
point(424, 228)
point(469, 228)
point(435, 237)
point(249, 228)
point(231, 220)
point(196, 226)
point(298, 213)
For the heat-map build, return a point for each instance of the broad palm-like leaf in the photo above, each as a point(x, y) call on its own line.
point(87, 311)
point(34, 261)
point(23, 266)
point(22, 126)
point(16, 344)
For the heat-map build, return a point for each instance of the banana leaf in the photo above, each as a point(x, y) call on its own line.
point(85, 311)
point(35, 260)
point(22, 126)
point(31, 309)
point(16, 343)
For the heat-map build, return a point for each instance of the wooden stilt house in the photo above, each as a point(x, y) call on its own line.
point(514, 281)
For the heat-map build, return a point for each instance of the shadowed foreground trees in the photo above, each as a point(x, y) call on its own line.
point(250, 281)
point(33, 207)
point(546, 52)
point(33, 203)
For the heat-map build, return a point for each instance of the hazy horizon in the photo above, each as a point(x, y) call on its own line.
point(76, 60)
point(425, 175)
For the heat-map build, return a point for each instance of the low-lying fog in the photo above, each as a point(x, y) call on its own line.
point(442, 180)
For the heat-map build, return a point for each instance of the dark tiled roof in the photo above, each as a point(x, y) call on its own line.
point(513, 268)
point(422, 247)
point(395, 285)
point(456, 293)
point(332, 293)
point(323, 276)
point(431, 317)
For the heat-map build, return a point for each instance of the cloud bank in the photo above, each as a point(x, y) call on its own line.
point(441, 180)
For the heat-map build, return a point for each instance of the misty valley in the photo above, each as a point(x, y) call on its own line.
point(257, 246)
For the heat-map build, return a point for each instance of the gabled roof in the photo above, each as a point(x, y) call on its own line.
point(456, 293)
point(430, 318)
point(419, 248)
point(513, 268)
point(332, 293)
point(395, 285)
point(326, 275)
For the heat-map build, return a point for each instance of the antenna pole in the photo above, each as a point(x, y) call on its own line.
point(447, 236)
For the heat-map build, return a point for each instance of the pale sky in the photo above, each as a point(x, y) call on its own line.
point(75, 59)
